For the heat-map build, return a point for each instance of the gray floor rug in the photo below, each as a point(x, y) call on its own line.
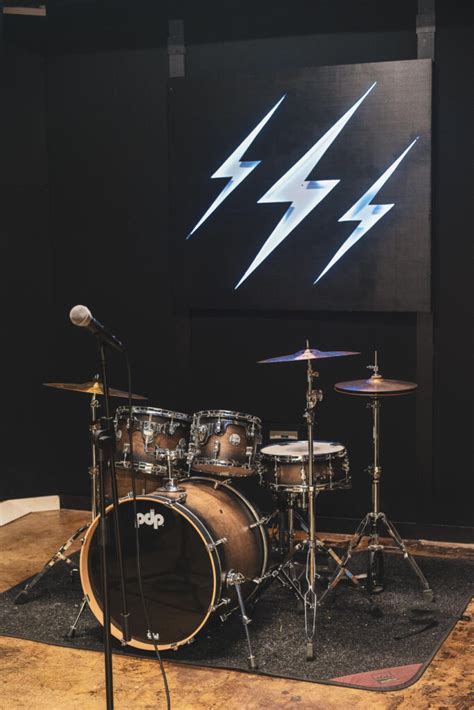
point(350, 641)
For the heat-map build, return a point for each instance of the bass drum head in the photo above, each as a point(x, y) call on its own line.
point(178, 572)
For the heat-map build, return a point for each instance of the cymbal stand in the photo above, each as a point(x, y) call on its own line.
point(286, 572)
point(313, 396)
point(60, 554)
point(93, 470)
point(370, 525)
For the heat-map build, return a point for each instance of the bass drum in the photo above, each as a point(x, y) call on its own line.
point(187, 549)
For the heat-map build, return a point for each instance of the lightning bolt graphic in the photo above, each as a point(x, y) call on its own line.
point(235, 169)
point(365, 213)
point(304, 195)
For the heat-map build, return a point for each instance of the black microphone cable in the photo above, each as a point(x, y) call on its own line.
point(137, 537)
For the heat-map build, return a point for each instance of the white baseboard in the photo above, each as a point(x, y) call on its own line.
point(13, 509)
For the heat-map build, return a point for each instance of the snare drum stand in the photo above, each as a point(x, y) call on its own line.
point(60, 555)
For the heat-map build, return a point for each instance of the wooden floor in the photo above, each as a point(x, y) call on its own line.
point(34, 675)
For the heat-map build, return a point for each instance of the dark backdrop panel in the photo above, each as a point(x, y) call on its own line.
point(219, 60)
point(388, 269)
point(94, 99)
point(108, 153)
point(453, 483)
point(225, 375)
point(22, 118)
point(27, 279)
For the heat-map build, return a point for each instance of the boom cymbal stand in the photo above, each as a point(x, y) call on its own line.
point(60, 555)
point(308, 597)
point(377, 388)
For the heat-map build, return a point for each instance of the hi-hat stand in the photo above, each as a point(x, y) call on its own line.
point(60, 555)
point(376, 388)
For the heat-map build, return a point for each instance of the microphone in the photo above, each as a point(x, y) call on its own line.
point(82, 317)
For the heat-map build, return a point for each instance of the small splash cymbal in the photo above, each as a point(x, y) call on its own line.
point(308, 354)
point(92, 387)
point(375, 386)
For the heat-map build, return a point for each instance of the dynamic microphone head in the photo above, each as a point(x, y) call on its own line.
point(80, 315)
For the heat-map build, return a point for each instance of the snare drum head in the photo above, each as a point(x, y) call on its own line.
point(178, 572)
point(300, 448)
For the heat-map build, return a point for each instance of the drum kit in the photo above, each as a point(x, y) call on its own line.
point(205, 548)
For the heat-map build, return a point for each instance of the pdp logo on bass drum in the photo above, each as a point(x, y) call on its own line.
point(151, 518)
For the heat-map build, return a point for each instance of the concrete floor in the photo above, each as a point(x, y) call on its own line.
point(34, 675)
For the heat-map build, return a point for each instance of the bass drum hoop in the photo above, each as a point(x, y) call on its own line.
point(213, 557)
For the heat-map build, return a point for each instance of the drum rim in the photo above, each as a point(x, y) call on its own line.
point(146, 467)
point(212, 413)
point(302, 458)
point(345, 485)
point(221, 462)
point(211, 551)
point(157, 411)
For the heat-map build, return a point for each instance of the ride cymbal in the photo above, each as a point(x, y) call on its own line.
point(375, 386)
point(92, 387)
point(309, 354)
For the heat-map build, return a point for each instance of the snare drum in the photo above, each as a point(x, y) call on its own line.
point(157, 435)
point(224, 443)
point(285, 466)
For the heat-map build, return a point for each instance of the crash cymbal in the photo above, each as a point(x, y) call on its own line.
point(309, 354)
point(375, 386)
point(92, 387)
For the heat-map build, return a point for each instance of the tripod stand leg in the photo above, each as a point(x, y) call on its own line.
point(393, 532)
point(340, 571)
point(22, 597)
point(341, 568)
point(282, 532)
point(310, 602)
point(375, 572)
point(235, 579)
point(73, 628)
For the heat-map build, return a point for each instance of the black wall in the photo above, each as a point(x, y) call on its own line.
point(84, 204)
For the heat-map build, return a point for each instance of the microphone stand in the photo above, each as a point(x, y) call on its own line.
point(104, 443)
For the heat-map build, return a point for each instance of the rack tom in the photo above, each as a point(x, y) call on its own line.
point(224, 442)
point(285, 466)
point(158, 435)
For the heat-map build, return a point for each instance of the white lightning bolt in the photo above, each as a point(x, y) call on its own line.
point(235, 169)
point(365, 213)
point(303, 194)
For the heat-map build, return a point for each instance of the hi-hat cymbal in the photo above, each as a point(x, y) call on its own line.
point(309, 354)
point(375, 386)
point(92, 387)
